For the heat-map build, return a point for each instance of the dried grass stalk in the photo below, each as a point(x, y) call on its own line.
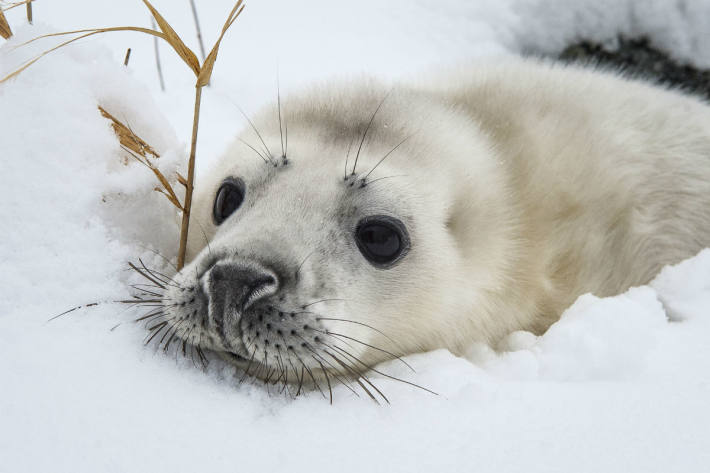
point(203, 78)
point(185, 225)
point(127, 138)
point(174, 40)
point(5, 30)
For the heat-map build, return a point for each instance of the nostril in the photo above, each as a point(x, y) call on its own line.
point(268, 280)
point(216, 274)
point(262, 283)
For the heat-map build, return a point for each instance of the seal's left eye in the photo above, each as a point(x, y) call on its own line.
point(382, 240)
point(229, 197)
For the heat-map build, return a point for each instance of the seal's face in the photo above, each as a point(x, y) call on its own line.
point(291, 250)
point(327, 256)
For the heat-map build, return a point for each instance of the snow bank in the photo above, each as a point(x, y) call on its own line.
point(618, 384)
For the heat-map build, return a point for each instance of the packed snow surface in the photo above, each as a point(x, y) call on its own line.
point(618, 384)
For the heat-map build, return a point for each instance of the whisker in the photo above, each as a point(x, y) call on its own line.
point(300, 383)
point(157, 253)
point(270, 371)
point(246, 372)
point(385, 374)
point(293, 368)
point(200, 353)
point(310, 373)
point(347, 157)
point(363, 376)
point(284, 373)
point(295, 372)
point(141, 286)
point(166, 347)
point(255, 150)
point(146, 292)
point(364, 135)
point(150, 304)
point(159, 324)
point(386, 156)
point(281, 131)
point(151, 279)
point(154, 272)
point(337, 339)
point(334, 373)
point(184, 341)
point(303, 262)
point(159, 327)
point(354, 373)
point(374, 348)
point(364, 184)
point(318, 302)
point(281, 379)
point(358, 323)
point(286, 136)
point(330, 389)
point(182, 337)
point(204, 235)
point(268, 151)
point(73, 309)
point(150, 315)
point(192, 355)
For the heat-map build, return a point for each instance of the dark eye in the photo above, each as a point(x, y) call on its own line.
point(229, 197)
point(382, 239)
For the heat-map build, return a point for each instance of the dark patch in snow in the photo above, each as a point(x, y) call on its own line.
point(638, 58)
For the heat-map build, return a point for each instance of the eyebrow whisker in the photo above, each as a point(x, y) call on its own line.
point(386, 156)
point(364, 135)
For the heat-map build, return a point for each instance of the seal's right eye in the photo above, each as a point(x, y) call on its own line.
point(229, 197)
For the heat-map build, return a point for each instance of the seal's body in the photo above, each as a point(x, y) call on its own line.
point(364, 221)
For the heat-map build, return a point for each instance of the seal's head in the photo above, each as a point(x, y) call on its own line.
point(354, 226)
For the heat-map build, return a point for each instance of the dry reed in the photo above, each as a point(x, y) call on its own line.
point(5, 30)
point(127, 138)
point(130, 142)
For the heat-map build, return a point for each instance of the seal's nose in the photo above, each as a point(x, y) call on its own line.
point(232, 286)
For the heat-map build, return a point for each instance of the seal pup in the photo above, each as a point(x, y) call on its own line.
point(356, 222)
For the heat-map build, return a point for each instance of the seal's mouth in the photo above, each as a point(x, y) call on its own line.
point(235, 358)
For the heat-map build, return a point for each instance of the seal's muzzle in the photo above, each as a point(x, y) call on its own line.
point(232, 286)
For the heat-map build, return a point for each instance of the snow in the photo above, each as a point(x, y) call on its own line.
point(618, 384)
